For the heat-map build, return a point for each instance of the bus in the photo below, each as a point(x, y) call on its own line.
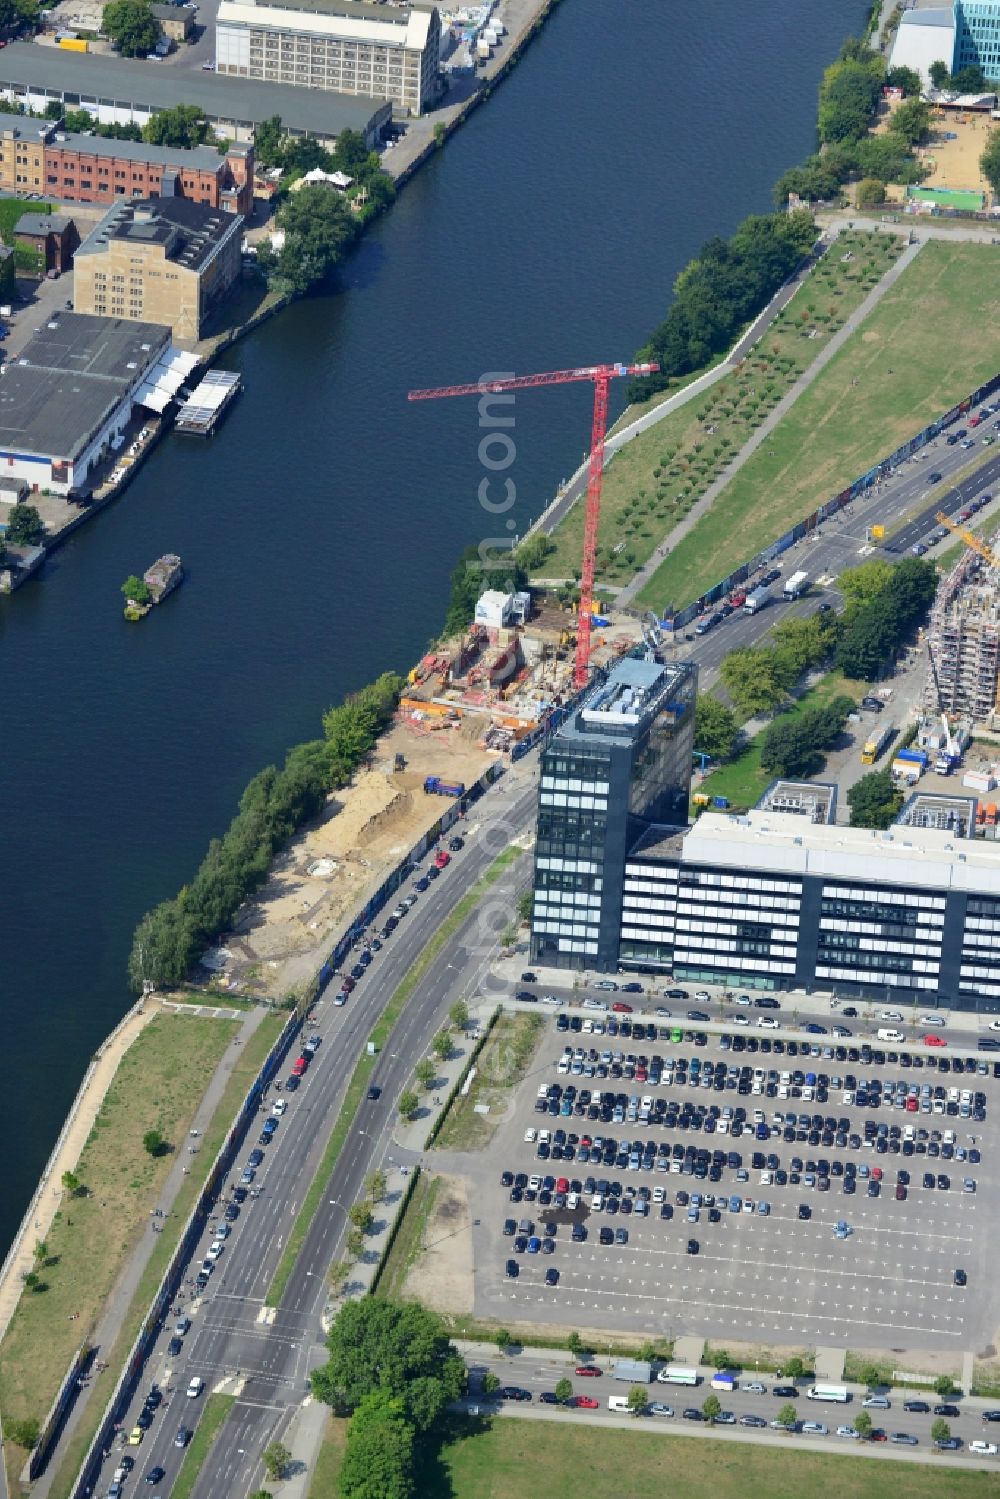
point(673, 1374)
point(835, 1392)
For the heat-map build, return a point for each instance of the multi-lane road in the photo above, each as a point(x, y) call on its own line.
point(264, 1354)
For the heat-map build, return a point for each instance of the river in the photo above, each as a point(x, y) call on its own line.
point(319, 527)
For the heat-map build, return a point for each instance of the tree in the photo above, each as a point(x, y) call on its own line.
point(25, 1432)
point(268, 141)
point(787, 1416)
point(794, 1368)
point(378, 1456)
point(944, 1385)
point(574, 1343)
point(153, 1143)
point(425, 1073)
point(860, 585)
point(16, 15)
point(318, 229)
point(989, 162)
point(940, 1430)
point(33, 1282)
point(376, 1183)
point(871, 192)
point(525, 903)
point(355, 1243)
point(638, 1398)
point(276, 1458)
point(24, 525)
point(564, 1391)
point(503, 1339)
point(716, 729)
point(131, 27)
point(752, 677)
point(338, 1274)
point(912, 120)
point(408, 1104)
point(491, 1383)
point(793, 746)
point(458, 1014)
point(871, 1376)
point(711, 1409)
point(939, 74)
point(71, 1183)
point(40, 1253)
point(379, 1344)
point(135, 591)
point(874, 800)
point(907, 79)
point(362, 1217)
point(184, 125)
point(969, 80)
point(814, 181)
point(441, 1045)
point(801, 643)
point(720, 1359)
point(351, 153)
point(848, 96)
point(863, 1425)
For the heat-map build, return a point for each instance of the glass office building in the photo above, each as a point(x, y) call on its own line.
point(977, 36)
point(620, 765)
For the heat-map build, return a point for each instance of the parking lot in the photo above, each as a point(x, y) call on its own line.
point(752, 1187)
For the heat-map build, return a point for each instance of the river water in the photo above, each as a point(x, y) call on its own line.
point(319, 527)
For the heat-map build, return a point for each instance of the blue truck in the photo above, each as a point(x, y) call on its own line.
point(434, 786)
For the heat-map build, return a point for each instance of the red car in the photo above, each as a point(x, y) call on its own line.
point(562, 1184)
point(586, 1402)
point(934, 1041)
point(621, 1008)
point(300, 1065)
point(347, 983)
point(588, 1371)
point(876, 1173)
point(911, 1106)
point(442, 858)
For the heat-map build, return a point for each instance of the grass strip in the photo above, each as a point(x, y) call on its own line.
point(103, 1384)
point(326, 1472)
point(217, 1408)
point(209, 999)
point(409, 1237)
point(366, 1065)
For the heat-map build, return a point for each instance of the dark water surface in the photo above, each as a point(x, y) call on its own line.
point(318, 529)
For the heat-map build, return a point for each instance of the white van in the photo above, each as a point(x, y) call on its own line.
point(890, 1035)
point(618, 1403)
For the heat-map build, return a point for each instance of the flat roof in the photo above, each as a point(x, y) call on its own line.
point(352, 21)
point(929, 17)
point(783, 843)
point(90, 78)
point(190, 232)
point(816, 800)
point(659, 843)
point(26, 127)
point(69, 377)
point(624, 704)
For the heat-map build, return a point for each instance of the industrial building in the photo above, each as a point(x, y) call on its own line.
point(70, 395)
point(122, 91)
point(619, 765)
point(165, 260)
point(344, 45)
point(964, 34)
point(963, 643)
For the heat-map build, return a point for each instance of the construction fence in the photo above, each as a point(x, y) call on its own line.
point(881, 471)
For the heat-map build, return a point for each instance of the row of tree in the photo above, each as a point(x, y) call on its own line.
point(393, 1370)
point(759, 679)
point(274, 805)
point(727, 284)
point(794, 744)
point(883, 603)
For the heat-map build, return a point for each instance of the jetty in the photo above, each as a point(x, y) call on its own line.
point(204, 407)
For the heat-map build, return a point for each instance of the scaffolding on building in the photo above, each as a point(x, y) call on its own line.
point(963, 643)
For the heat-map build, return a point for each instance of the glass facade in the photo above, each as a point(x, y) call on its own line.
point(977, 36)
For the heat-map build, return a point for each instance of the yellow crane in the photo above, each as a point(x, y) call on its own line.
point(970, 538)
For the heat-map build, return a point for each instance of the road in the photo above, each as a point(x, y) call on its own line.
point(265, 1356)
point(537, 1371)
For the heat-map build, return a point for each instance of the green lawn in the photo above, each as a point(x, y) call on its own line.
point(935, 330)
point(331, 1455)
point(653, 481)
point(502, 1063)
point(742, 781)
point(560, 1459)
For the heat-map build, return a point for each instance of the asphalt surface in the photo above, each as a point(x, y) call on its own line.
point(536, 1373)
point(265, 1356)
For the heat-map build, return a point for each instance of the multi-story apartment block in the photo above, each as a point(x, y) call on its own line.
point(343, 45)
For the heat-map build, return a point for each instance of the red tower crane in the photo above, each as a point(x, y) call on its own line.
point(601, 375)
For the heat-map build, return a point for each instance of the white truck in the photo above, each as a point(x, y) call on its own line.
point(757, 600)
point(796, 584)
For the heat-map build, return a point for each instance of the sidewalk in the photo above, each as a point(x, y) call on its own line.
point(768, 425)
point(112, 1319)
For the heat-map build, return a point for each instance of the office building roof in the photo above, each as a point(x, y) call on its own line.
point(69, 378)
point(87, 78)
point(816, 800)
point(782, 842)
point(25, 126)
point(189, 232)
point(42, 223)
point(622, 706)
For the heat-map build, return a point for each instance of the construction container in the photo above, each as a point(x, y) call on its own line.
point(74, 44)
point(979, 780)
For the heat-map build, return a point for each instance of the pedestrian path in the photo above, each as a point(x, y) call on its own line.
point(117, 1307)
point(767, 426)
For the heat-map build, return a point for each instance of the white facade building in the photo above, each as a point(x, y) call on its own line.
point(924, 37)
